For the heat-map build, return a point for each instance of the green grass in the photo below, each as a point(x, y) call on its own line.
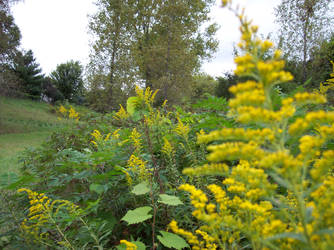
point(13, 144)
point(23, 124)
point(22, 116)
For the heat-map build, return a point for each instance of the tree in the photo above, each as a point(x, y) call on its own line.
point(9, 33)
point(50, 93)
point(171, 45)
point(224, 83)
point(68, 79)
point(111, 67)
point(303, 25)
point(320, 60)
point(29, 72)
point(155, 43)
point(9, 41)
point(202, 84)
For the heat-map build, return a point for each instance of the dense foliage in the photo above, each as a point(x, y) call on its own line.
point(29, 74)
point(157, 43)
point(258, 168)
point(68, 79)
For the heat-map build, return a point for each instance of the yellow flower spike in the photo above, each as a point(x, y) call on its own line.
point(181, 129)
point(167, 148)
point(138, 167)
point(129, 245)
point(62, 109)
point(191, 238)
point(42, 212)
point(115, 134)
point(107, 137)
point(121, 114)
point(266, 45)
point(135, 138)
point(164, 104)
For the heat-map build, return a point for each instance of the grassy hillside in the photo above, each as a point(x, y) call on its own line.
point(23, 124)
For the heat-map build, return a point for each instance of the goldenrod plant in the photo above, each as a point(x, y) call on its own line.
point(43, 213)
point(273, 195)
point(69, 113)
point(326, 86)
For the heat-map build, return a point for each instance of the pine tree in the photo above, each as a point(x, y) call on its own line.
point(29, 72)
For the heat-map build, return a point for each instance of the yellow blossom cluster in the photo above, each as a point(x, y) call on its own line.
point(121, 114)
point(146, 96)
point(136, 141)
point(138, 167)
point(238, 209)
point(42, 213)
point(70, 113)
point(276, 168)
point(182, 129)
point(329, 84)
point(99, 139)
point(129, 245)
point(62, 110)
point(73, 114)
point(167, 148)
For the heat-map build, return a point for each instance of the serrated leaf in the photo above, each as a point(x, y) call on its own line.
point(140, 189)
point(170, 200)
point(172, 240)
point(96, 188)
point(137, 215)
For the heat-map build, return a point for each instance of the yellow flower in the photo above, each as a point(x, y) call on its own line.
point(138, 167)
point(167, 148)
point(129, 245)
point(181, 129)
point(62, 110)
point(135, 138)
point(121, 114)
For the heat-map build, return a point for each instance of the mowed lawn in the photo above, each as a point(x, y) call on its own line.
point(23, 124)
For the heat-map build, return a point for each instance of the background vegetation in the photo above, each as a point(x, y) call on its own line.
point(107, 160)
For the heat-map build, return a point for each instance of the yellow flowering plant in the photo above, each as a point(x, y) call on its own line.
point(49, 219)
point(273, 195)
point(69, 113)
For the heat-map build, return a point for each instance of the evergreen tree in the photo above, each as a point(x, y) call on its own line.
point(29, 72)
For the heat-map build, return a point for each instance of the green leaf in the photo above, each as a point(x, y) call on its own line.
point(131, 105)
point(172, 240)
point(138, 215)
point(170, 200)
point(96, 188)
point(140, 189)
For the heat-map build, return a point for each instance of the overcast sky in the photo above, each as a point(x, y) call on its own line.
point(56, 30)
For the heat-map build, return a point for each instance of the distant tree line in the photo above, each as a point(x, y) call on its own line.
point(21, 75)
point(161, 45)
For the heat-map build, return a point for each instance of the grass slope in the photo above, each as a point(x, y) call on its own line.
point(23, 124)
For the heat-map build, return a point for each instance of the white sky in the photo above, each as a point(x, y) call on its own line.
point(56, 30)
